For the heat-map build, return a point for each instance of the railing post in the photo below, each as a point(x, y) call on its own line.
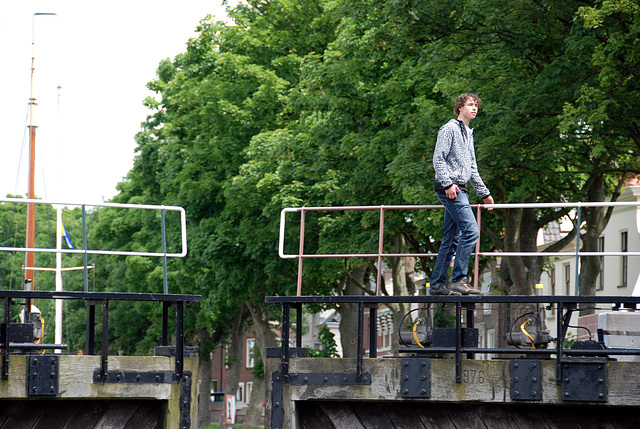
point(300, 252)
point(476, 268)
point(577, 276)
point(299, 325)
point(5, 346)
point(91, 327)
point(470, 322)
point(26, 311)
point(165, 323)
point(373, 331)
point(285, 340)
point(559, 340)
point(85, 245)
point(458, 342)
point(105, 340)
point(164, 252)
point(360, 340)
point(179, 339)
point(380, 251)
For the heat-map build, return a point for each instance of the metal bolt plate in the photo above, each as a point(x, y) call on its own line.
point(42, 375)
point(526, 384)
point(584, 380)
point(415, 377)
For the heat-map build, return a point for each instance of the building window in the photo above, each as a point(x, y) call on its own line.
point(485, 284)
point(385, 330)
point(567, 279)
point(251, 355)
point(215, 395)
point(240, 393)
point(491, 342)
point(552, 287)
point(600, 281)
point(226, 356)
point(248, 390)
point(486, 307)
point(624, 260)
point(485, 288)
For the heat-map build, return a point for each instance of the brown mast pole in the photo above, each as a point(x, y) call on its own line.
point(31, 211)
point(31, 207)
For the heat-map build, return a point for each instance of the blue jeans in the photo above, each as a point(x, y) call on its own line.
point(459, 239)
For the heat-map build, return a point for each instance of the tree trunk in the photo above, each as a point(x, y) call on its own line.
point(403, 275)
point(204, 396)
point(595, 223)
point(264, 338)
point(349, 313)
point(516, 277)
point(520, 273)
point(207, 342)
point(234, 356)
point(254, 418)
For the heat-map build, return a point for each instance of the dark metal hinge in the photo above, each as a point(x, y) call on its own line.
point(42, 375)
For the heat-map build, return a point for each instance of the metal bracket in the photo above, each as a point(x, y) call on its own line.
point(277, 410)
point(328, 379)
point(415, 378)
point(526, 380)
point(185, 400)
point(584, 380)
point(278, 381)
point(134, 377)
point(42, 375)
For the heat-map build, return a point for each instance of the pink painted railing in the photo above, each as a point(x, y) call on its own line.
point(300, 256)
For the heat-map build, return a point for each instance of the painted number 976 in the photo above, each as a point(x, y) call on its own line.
point(472, 376)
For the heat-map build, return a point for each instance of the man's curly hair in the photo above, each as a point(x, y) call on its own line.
point(463, 99)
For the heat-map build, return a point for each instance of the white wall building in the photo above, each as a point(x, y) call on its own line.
point(620, 275)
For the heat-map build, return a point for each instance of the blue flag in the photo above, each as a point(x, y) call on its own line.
point(67, 238)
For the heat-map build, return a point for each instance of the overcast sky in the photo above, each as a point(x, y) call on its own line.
point(101, 54)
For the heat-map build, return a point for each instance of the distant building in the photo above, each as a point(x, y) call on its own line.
point(219, 376)
point(620, 275)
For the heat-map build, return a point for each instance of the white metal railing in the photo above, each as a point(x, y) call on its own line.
point(183, 229)
point(86, 251)
point(380, 254)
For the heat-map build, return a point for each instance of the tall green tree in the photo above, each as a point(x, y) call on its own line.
point(231, 84)
point(315, 103)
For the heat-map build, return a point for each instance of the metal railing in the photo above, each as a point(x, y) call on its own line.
point(86, 251)
point(93, 299)
point(566, 306)
point(300, 256)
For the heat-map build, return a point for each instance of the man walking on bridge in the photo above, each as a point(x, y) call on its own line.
point(454, 161)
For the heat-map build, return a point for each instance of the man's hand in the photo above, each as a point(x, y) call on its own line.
point(452, 192)
point(488, 200)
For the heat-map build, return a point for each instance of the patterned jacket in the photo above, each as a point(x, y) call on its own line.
point(454, 159)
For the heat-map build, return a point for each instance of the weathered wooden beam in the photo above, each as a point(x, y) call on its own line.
point(482, 381)
point(76, 381)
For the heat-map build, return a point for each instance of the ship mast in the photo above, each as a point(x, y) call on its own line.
point(31, 207)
